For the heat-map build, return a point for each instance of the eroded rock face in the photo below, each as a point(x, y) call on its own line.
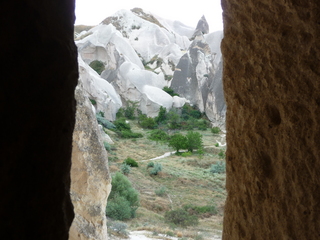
point(90, 180)
point(271, 81)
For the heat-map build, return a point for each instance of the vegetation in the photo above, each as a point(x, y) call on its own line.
point(215, 130)
point(131, 162)
point(156, 169)
point(123, 200)
point(218, 167)
point(97, 65)
point(124, 130)
point(170, 91)
point(125, 168)
point(107, 146)
point(178, 142)
point(181, 218)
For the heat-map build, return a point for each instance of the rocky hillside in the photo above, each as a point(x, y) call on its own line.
point(141, 53)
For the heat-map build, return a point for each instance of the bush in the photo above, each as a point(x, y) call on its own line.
point(123, 200)
point(131, 162)
point(219, 167)
point(129, 111)
point(186, 154)
point(159, 135)
point(203, 125)
point(170, 91)
point(104, 122)
point(215, 130)
point(150, 165)
point(181, 218)
point(97, 65)
point(200, 209)
point(93, 102)
point(107, 146)
point(160, 191)
point(118, 227)
point(221, 154)
point(121, 124)
point(130, 134)
point(156, 169)
point(125, 169)
point(162, 115)
point(217, 144)
point(173, 119)
point(147, 122)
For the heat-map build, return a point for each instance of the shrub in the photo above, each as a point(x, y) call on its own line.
point(160, 191)
point(221, 154)
point(194, 141)
point(147, 122)
point(202, 125)
point(123, 200)
point(218, 167)
point(178, 141)
point(129, 111)
point(211, 209)
point(156, 169)
point(93, 102)
point(118, 227)
point(107, 146)
point(125, 169)
point(150, 165)
point(159, 135)
point(131, 162)
point(162, 115)
point(130, 134)
point(104, 122)
point(170, 91)
point(181, 218)
point(120, 113)
point(173, 119)
point(217, 144)
point(121, 124)
point(215, 130)
point(97, 65)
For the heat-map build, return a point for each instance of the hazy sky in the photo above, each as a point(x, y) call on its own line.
point(92, 12)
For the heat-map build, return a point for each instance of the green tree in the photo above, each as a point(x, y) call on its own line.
point(173, 119)
point(97, 65)
point(194, 141)
point(178, 141)
point(123, 200)
point(162, 115)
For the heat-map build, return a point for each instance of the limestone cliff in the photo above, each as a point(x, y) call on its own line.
point(271, 80)
point(90, 180)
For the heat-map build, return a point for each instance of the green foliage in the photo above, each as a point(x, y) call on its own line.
point(121, 124)
point(97, 65)
point(173, 119)
point(198, 210)
point(129, 134)
point(217, 144)
point(178, 141)
point(162, 115)
point(147, 122)
point(125, 168)
point(218, 167)
point(120, 113)
point(131, 162)
point(161, 191)
point(107, 146)
point(150, 165)
point(190, 112)
point(215, 130)
point(159, 135)
point(129, 111)
point(181, 218)
point(202, 125)
point(194, 141)
point(93, 102)
point(170, 91)
point(123, 200)
point(156, 169)
point(104, 122)
point(186, 154)
point(221, 154)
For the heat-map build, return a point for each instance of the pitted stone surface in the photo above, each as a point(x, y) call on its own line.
point(271, 82)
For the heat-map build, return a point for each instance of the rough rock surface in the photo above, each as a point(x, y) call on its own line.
point(272, 83)
point(90, 180)
point(198, 77)
point(202, 27)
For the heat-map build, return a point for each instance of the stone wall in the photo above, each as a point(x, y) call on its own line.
point(272, 83)
point(38, 76)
